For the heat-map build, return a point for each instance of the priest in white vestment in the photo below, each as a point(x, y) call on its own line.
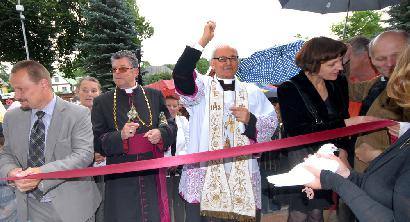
point(224, 113)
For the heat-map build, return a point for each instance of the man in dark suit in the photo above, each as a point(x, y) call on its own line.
point(47, 134)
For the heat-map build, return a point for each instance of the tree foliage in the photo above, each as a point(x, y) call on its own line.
point(361, 23)
point(110, 27)
point(400, 16)
point(3, 74)
point(58, 32)
point(144, 28)
point(148, 79)
point(170, 66)
point(202, 65)
point(52, 29)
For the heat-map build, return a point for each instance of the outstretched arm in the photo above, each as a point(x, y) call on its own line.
point(183, 73)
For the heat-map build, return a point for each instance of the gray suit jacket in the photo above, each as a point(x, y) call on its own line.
point(69, 145)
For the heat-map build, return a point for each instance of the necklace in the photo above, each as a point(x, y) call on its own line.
point(132, 114)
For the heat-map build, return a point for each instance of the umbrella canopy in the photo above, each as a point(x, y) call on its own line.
point(268, 89)
point(270, 66)
point(331, 6)
point(167, 87)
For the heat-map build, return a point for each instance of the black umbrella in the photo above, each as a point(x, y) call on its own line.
point(332, 6)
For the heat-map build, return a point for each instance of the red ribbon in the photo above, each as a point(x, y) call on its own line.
point(213, 155)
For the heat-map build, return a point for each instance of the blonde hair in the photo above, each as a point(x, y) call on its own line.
point(398, 86)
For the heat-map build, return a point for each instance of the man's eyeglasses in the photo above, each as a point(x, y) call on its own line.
point(224, 58)
point(121, 69)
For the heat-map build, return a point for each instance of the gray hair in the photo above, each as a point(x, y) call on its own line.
point(132, 58)
point(220, 47)
point(360, 44)
point(398, 32)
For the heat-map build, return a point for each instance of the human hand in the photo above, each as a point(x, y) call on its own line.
point(343, 169)
point(208, 35)
point(360, 119)
point(129, 130)
point(24, 185)
point(310, 193)
point(153, 136)
point(13, 173)
point(241, 114)
point(343, 156)
point(98, 158)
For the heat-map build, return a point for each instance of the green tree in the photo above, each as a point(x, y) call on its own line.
point(170, 66)
point(52, 29)
point(400, 16)
point(148, 79)
point(78, 72)
point(110, 27)
point(3, 74)
point(202, 65)
point(300, 36)
point(364, 23)
point(144, 28)
point(145, 64)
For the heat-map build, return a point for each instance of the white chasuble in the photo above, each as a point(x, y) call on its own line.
point(227, 192)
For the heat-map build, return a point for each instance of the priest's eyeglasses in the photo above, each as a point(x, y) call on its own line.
point(121, 69)
point(224, 58)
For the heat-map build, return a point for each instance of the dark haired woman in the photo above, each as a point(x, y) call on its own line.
point(314, 100)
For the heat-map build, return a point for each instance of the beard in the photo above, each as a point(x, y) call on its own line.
point(25, 108)
point(22, 107)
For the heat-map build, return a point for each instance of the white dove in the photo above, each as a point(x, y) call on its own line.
point(299, 175)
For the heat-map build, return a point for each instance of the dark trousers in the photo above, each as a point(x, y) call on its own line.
point(176, 203)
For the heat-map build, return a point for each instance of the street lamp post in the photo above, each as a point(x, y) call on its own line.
point(20, 9)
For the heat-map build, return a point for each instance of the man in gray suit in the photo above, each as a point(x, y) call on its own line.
point(47, 134)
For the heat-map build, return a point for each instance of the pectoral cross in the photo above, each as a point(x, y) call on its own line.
point(132, 114)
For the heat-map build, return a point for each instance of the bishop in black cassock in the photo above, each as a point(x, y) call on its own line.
point(134, 196)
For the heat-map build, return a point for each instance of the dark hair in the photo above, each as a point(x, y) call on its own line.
point(88, 78)
point(360, 44)
point(173, 96)
point(35, 70)
point(132, 58)
point(317, 51)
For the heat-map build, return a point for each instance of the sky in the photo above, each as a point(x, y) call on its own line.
point(248, 25)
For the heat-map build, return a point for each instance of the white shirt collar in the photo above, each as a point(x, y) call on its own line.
point(226, 81)
point(130, 90)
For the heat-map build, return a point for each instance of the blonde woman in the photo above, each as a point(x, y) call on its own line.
point(87, 89)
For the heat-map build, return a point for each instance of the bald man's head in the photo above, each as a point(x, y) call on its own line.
point(385, 48)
